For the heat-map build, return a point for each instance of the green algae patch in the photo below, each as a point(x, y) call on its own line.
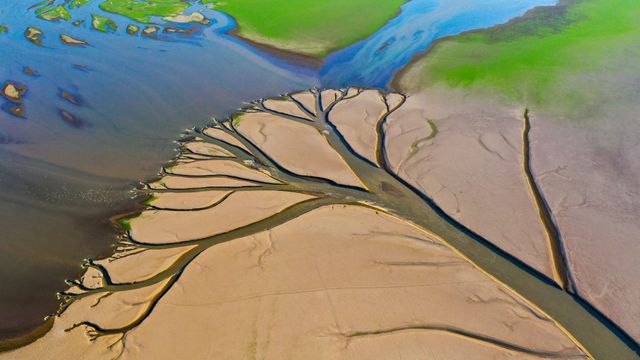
point(144, 11)
point(531, 58)
point(236, 118)
point(103, 24)
point(125, 224)
point(51, 13)
point(309, 27)
point(78, 3)
point(133, 29)
point(4, 29)
point(150, 200)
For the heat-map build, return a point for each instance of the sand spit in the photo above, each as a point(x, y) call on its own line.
point(257, 260)
point(71, 41)
point(195, 17)
point(34, 35)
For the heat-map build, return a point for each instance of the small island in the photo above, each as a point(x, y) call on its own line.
point(71, 41)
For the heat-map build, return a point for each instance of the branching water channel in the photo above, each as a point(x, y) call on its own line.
point(112, 135)
point(89, 151)
point(382, 190)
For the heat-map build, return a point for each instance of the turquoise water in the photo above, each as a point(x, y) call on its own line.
point(61, 180)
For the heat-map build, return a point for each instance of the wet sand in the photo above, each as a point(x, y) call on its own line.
point(277, 295)
point(590, 175)
point(306, 263)
point(74, 134)
point(70, 177)
point(472, 168)
point(584, 153)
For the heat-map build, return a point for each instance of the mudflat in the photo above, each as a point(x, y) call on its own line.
point(239, 252)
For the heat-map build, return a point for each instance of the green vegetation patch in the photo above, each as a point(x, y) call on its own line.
point(4, 29)
point(144, 11)
point(132, 29)
point(125, 223)
point(528, 58)
point(34, 35)
point(309, 26)
point(150, 200)
point(103, 24)
point(53, 13)
point(78, 3)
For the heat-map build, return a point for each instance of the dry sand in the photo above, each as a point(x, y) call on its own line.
point(472, 168)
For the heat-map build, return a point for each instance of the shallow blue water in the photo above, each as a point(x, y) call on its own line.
point(373, 61)
point(59, 181)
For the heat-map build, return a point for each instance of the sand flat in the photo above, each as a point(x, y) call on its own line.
point(205, 148)
point(590, 178)
point(297, 147)
point(472, 168)
point(310, 296)
point(179, 182)
point(221, 167)
point(277, 273)
point(187, 201)
point(159, 226)
point(357, 118)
